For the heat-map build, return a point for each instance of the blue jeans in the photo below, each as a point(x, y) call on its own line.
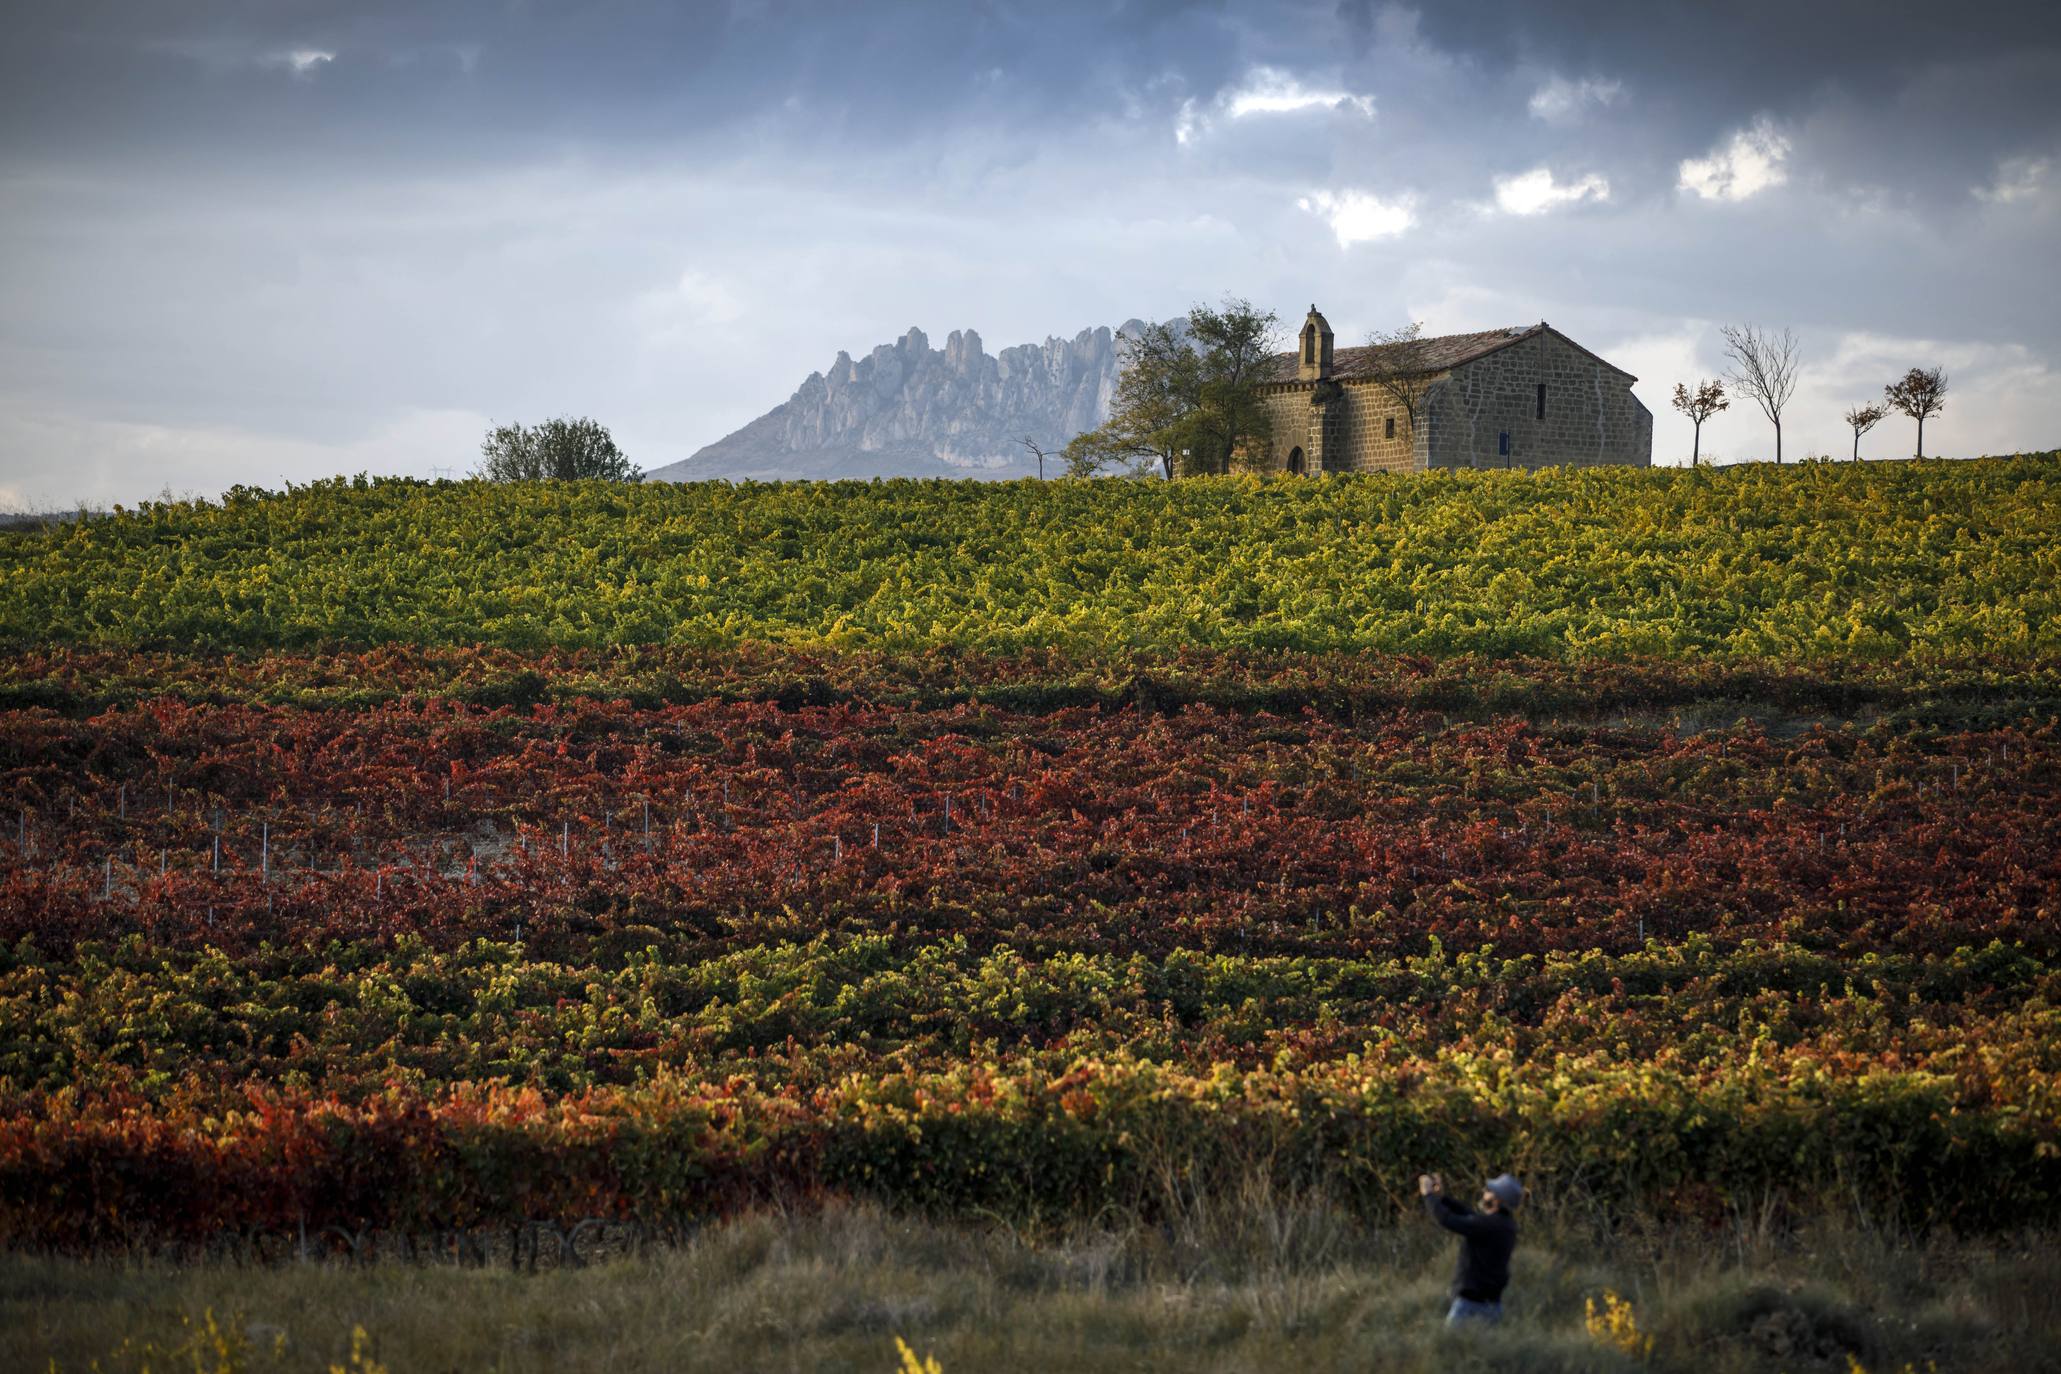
point(1465, 1310)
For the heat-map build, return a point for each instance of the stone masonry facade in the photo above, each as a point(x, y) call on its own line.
point(1508, 398)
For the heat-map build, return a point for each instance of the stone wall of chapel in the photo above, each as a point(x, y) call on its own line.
point(1359, 439)
point(1592, 418)
point(1297, 424)
point(1339, 428)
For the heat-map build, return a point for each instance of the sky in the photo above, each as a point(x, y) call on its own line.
point(266, 242)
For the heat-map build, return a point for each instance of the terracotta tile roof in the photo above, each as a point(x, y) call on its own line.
point(1430, 355)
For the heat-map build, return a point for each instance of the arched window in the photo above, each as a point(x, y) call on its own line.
point(1297, 464)
point(1309, 343)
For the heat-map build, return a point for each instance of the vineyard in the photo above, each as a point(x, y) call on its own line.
point(406, 957)
point(392, 861)
point(1822, 561)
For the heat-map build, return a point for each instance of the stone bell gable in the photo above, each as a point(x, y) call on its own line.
point(1313, 358)
point(1525, 397)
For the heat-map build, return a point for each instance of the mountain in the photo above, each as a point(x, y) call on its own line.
point(909, 410)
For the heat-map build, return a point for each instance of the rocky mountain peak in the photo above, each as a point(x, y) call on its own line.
point(908, 410)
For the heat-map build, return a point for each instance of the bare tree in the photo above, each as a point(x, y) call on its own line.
point(1699, 405)
point(1764, 367)
point(1863, 419)
point(1396, 362)
point(1921, 392)
point(1038, 452)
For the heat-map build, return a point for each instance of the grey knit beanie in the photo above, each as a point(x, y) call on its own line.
point(1507, 1190)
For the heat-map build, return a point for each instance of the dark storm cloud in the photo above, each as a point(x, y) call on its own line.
point(120, 78)
point(1922, 100)
point(348, 233)
point(1921, 97)
point(1765, 53)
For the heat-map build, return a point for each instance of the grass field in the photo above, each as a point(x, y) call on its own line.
point(1256, 1285)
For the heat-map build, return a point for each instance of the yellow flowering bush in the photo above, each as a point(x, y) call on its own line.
point(1615, 1324)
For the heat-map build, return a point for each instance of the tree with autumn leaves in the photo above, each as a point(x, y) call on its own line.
point(1861, 419)
point(1699, 405)
point(1920, 394)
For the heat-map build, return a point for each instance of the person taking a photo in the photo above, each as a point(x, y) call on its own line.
point(1487, 1238)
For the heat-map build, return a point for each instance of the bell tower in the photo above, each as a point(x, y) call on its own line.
point(1313, 357)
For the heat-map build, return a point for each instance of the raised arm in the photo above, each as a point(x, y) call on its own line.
point(1454, 1216)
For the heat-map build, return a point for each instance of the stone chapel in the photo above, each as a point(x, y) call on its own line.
point(1505, 398)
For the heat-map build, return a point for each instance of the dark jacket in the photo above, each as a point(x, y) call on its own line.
point(1486, 1240)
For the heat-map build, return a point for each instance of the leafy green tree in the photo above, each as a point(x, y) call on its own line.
point(1155, 389)
point(1188, 398)
point(1234, 344)
point(564, 449)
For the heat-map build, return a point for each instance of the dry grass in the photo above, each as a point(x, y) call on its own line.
point(1260, 1285)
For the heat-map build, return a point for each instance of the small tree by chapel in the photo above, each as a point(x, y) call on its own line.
point(1188, 397)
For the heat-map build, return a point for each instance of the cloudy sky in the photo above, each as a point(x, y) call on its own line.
point(253, 242)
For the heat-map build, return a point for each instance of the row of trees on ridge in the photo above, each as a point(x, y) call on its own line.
point(1764, 368)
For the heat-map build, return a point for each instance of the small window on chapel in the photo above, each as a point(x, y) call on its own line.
point(1542, 400)
point(1391, 428)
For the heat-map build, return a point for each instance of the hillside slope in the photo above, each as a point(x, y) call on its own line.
point(1809, 561)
